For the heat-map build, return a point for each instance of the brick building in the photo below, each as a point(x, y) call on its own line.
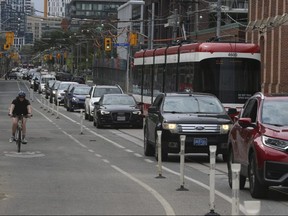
point(268, 27)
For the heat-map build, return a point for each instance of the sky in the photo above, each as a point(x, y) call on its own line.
point(39, 5)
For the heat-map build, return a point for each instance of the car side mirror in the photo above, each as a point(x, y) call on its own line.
point(153, 109)
point(245, 122)
point(87, 96)
point(232, 111)
point(96, 103)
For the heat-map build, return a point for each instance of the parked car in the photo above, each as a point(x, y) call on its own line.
point(66, 93)
point(258, 141)
point(76, 97)
point(48, 87)
point(78, 79)
point(60, 91)
point(12, 75)
point(63, 76)
point(94, 95)
point(117, 110)
point(53, 90)
point(43, 80)
point(201, 117)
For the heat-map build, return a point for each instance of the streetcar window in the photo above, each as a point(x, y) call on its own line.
point(232, 81)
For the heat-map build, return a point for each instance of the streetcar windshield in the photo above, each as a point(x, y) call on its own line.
point(232, 80)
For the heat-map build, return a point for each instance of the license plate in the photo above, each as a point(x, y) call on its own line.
point(120, 118)
point(200, 141)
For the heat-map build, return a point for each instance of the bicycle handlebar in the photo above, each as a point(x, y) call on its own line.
point(22, 115)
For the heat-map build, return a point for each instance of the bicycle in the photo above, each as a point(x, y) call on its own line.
point(18, 133)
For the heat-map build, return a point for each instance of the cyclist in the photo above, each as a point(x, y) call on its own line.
point(20, 105)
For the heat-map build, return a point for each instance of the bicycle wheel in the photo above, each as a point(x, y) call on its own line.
point(18, 139)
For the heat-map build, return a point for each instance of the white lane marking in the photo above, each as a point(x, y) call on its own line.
point(225, 197)
point(98, 155)
point(148, 160)
point(138, 155)
point(108, 140)
point(128, 150)
point(167, 207)
point(106, 161)
point(90, 150)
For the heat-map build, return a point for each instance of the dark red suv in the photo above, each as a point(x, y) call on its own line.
point(258, 141)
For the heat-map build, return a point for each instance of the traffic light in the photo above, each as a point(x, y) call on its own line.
point(6, 46)
point(133, 39)
point(108, 44)
point(10, 38)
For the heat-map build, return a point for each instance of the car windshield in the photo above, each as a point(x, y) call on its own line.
point(46, 79)
point(63, 86)
point(275, 112)
point(194, 104)
point(50, 83)
point(101, 91)
point(119, 100)
point(82, 91)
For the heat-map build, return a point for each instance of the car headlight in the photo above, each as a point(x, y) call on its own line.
point(103, 112)
point(275, 143)
point(75, 99)
point(53, 92)
point(170, 126)
point(225, 128)
point(136, 112)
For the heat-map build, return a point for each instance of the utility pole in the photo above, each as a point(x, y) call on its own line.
point(218, 18)
point(152, 25)
point(175, 24)
point(196, 18)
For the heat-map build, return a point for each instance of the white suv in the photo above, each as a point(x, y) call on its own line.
point(95, 93)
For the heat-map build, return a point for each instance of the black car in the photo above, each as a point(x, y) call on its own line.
point(201, 117)
point(11, 75)
point(116, 110)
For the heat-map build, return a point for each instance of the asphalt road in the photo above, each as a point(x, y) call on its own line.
point(66, 169)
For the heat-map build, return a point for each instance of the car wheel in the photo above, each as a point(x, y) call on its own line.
point(225, 157)
point(148, 148)
point(86, 115)
point(164, 150)
point(98, 124)
point(90, 118)
point(242, 179)
point(257, 190)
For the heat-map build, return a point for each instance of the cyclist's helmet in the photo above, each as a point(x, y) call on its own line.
point(21, 94)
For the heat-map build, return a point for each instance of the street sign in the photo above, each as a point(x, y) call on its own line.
point(121, 44)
